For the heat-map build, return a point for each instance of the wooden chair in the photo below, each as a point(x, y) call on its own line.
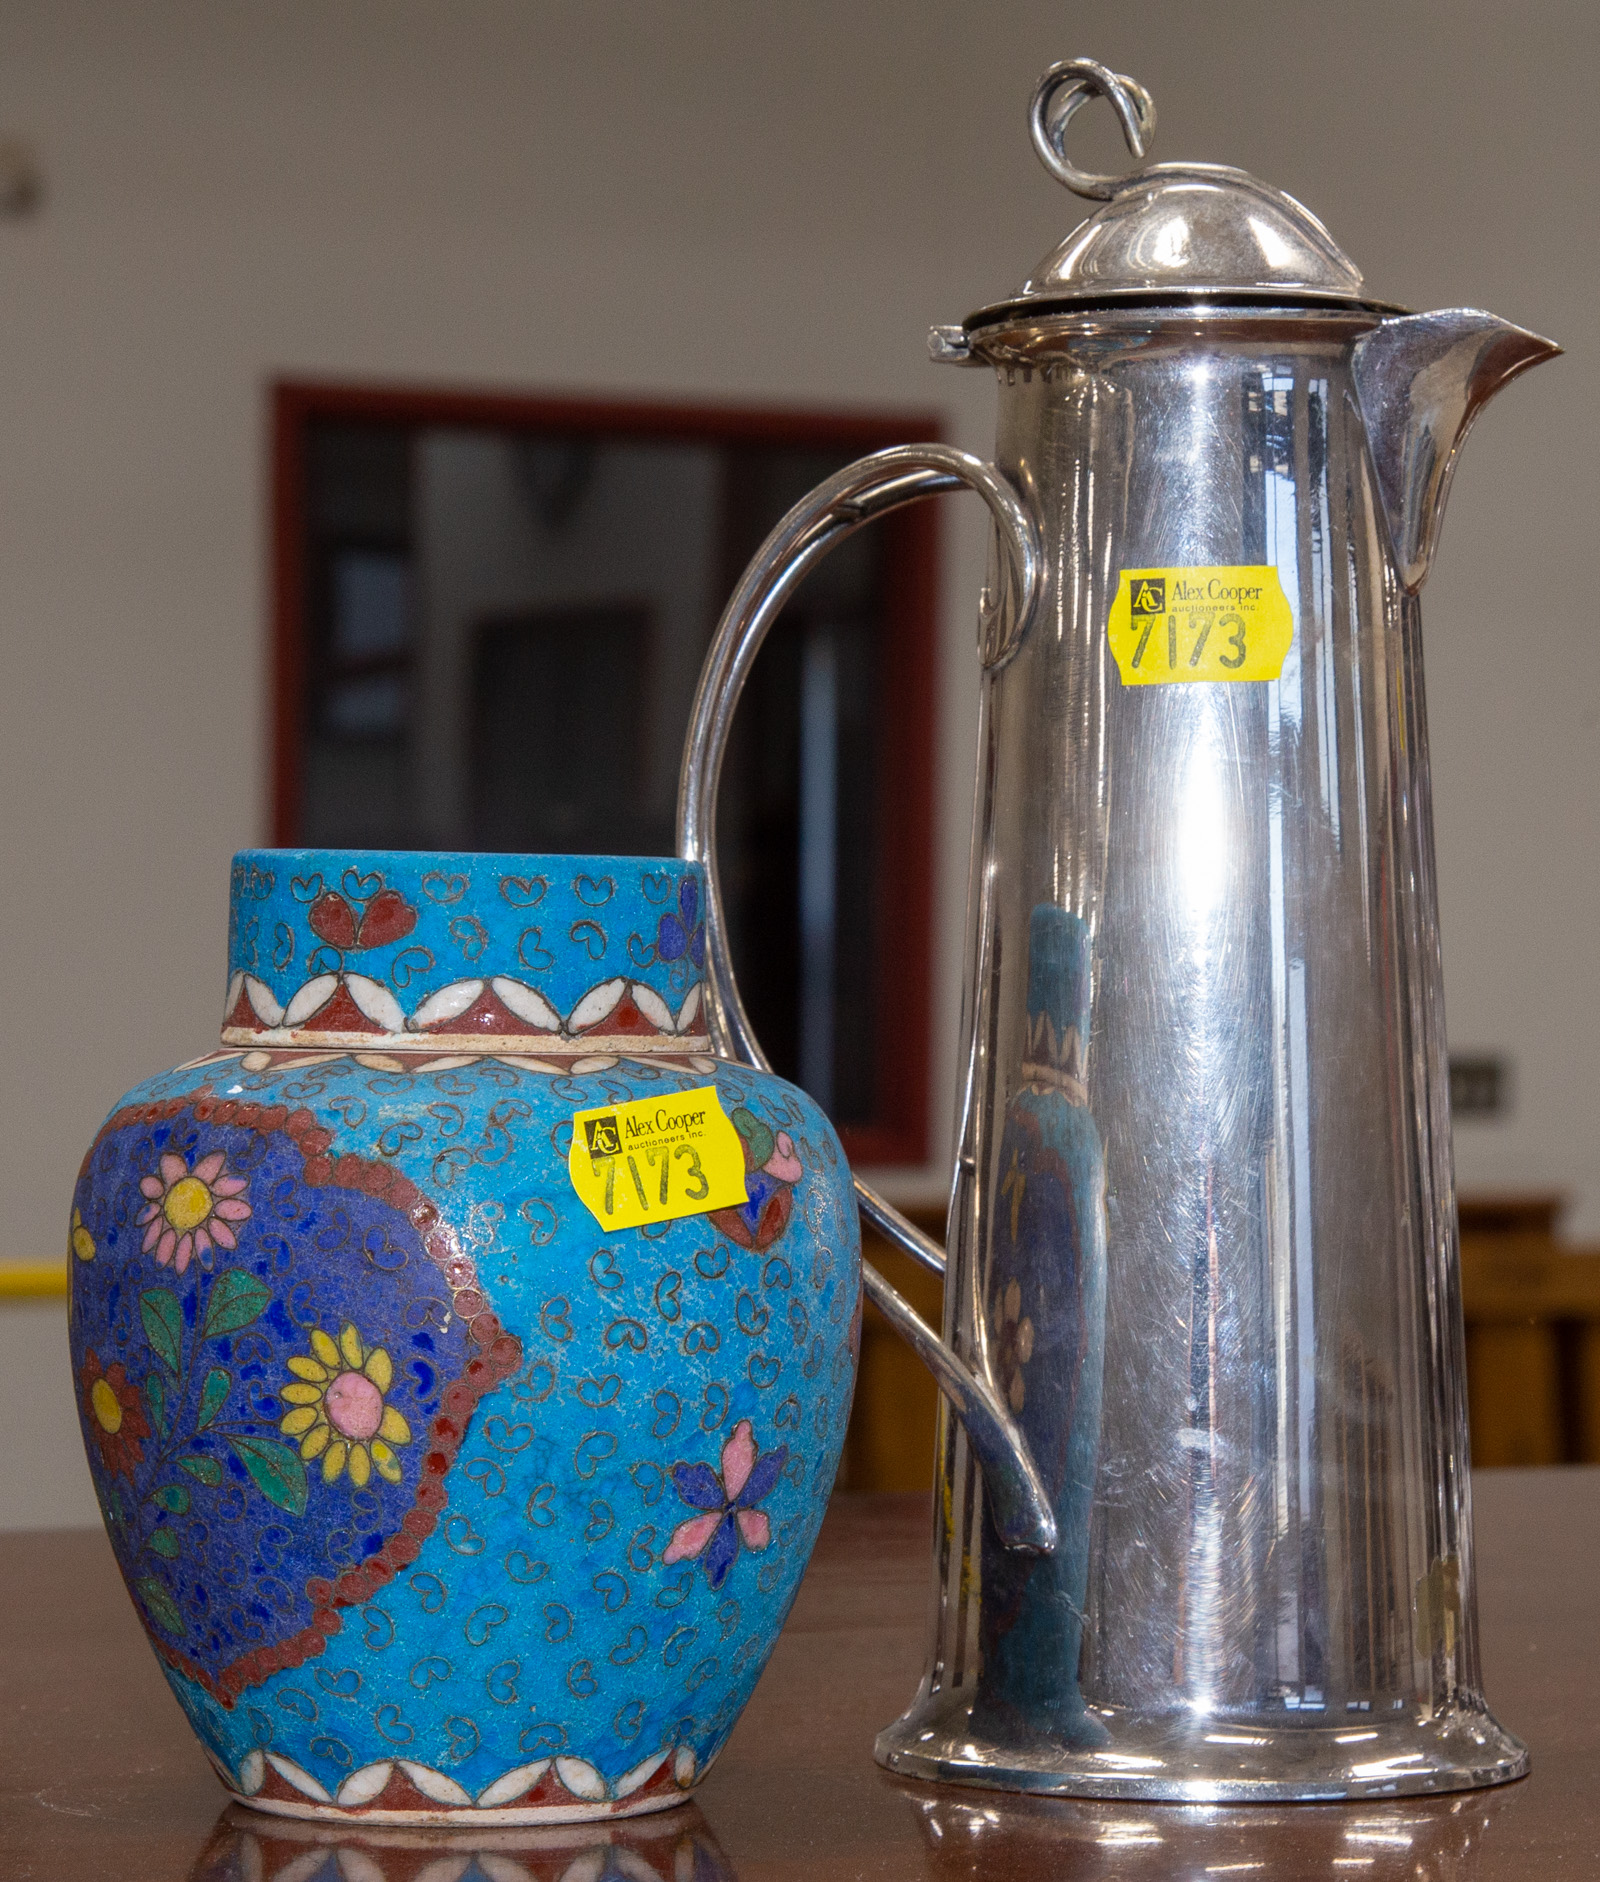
point(1532, 1310)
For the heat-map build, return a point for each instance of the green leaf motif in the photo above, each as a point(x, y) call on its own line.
point(236, 1299)
point(756, 1134)
point(160, 1606)
point(155, 1391)
point(276, 1471)
point(165, 1542)
point(207, 1469)
point(213, 1394)
point(171, 1496)
point(163, 1324)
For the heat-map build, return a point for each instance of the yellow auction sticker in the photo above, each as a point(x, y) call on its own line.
point(1168, 626)
point(656, 1158)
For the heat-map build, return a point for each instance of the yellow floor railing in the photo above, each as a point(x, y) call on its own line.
point(32, 1280)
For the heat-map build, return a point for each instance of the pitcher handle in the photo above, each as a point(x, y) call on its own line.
point(871, 487)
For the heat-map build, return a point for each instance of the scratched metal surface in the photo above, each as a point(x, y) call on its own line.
point(1278, 1597)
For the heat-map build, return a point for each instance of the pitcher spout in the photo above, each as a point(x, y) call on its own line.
point(1421, 379)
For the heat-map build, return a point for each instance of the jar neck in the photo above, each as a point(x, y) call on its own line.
point(419, 951)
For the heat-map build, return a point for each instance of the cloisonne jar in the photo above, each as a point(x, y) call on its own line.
point(438, 1498)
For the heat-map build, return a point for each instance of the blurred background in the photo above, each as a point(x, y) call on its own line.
point(371, 374)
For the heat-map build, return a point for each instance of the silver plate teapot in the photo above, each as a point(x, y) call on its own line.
point(1203, 1514)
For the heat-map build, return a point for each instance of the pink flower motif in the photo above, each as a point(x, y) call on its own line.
point(187, 1211)
point(783, 1163)
point(727, 1504)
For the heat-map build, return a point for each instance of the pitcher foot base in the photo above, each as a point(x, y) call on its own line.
point(1195, 1758)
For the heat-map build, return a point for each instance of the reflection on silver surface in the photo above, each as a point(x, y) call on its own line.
point(1279, 1597)
point(676, 1846)
point(1419, 1840)
point(1194, 228)
point(1421, 382)
point(1202, 1318)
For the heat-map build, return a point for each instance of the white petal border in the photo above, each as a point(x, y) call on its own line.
point(301, 1779)
point(596, 1004)
point(378, 1005)
point(434, 1784)
point(448, 1003)
point(641, 1774)
point(360, 1787)
point(582, 1779)
point(586, 1792)
point(654, 1008)
point(516, 1783)
point(307, 999)
point(376, 1002)
point(528, 1003)
point(263, 1001)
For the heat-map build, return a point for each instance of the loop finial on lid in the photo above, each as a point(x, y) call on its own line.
point(1177, 234)
point(1064, 90)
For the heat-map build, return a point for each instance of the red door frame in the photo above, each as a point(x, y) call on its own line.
point(899, 1134)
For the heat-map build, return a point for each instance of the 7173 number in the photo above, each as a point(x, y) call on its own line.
point(696, 1188)
point(1231, 625)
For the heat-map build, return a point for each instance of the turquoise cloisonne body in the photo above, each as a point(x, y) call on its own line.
point(434, 1497)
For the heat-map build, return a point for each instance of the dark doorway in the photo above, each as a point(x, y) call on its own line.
point(491, 617)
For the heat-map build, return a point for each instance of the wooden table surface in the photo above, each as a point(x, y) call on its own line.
point(100, 1780)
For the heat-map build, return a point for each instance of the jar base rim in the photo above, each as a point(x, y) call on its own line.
point(473, 1816)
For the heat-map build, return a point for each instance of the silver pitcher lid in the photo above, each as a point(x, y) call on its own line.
point(1168, 232)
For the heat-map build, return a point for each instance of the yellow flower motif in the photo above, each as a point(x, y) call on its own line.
point(337, 1409)
point(1016, 1346)
point(82, 1241)
point(1016, 1181)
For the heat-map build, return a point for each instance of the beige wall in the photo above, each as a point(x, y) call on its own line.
point(724, 201)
